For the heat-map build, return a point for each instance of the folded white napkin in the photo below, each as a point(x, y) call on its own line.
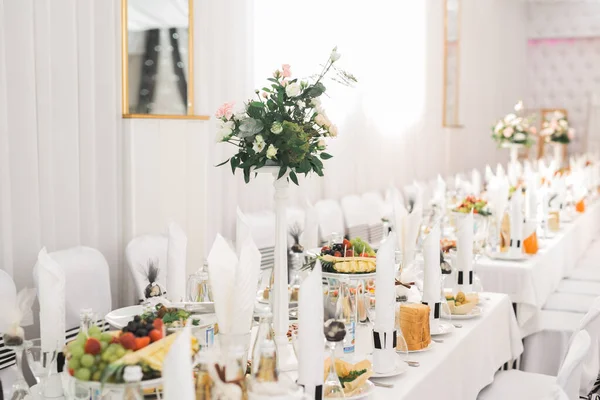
point(178, 379)
point(439, 194)
point(310, 235)
point(476, 181)
point(176, 263)
point(498, 190)
point(464, 253)
point(516, 225)
point(51, 286)
point(432, 276)
point(407, 230)
point(234, 283)
point(513, 173)
point(16, 306)
point(500, 171)
point(384, 352)
point(489, 174)
point(532, 201)
point(310, 335)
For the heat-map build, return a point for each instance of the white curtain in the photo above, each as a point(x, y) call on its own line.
point(60, 142)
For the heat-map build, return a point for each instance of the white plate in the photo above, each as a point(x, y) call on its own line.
point(401, 367)
point(431, 346)
point(367, 389)
point(508, 257)
point(332, 275)
point(443, 329)
point(120, 317)
point(475, 312)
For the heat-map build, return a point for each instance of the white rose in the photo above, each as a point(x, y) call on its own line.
point(509, 118)
point(334, 55)
point(301, 104)
point(558, 115)
point(321, 120)
point(293, 89)
point(563, 123)
point(227, 125)
point(259, 139)
point(519, 106)
point(519, 136)
point(271, 152)
point(315, 102)
point(333, 131)
point(223, 135)
point(516, 121)
point(259, 144)
point(276, 128)
point(498, 127)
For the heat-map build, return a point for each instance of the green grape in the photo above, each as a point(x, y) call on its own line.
point(96, 376)
point(113, 347)
point(106, 337)
point(106, 356)
point(96, 336)
point(83, 374)
point(120, 352)
point(113, 358)
point(102, 366)
point(97, 359)
point(103, 346)
point(87, 360)
point(94, 330)
point(77, 351)
point(74, 363)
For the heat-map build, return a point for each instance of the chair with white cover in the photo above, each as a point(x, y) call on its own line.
point(390, 194)
point(139, 253)
point(357, 222)
point(520, 385)
point(331, 219)
point(554, 330)
point(87, 285)
point(262, 230)
point(374, 209)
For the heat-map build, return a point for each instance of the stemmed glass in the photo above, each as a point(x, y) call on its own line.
point(335, 331)
point(40, 361)
point(20, 388)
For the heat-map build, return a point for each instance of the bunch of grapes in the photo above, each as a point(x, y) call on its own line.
point(90, 354)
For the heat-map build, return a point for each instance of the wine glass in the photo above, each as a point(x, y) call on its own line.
point(40, 361)
point(335, 331)
point(20, 388)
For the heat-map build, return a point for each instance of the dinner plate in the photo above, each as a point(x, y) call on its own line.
point(505, 256)
point(431, 346)
point(120, 317)
point(443, 328)
point(367, 389)
point(400, 368)
point(475, 312)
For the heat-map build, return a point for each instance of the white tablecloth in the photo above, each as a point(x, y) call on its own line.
point(467, 360)
point(530, 282)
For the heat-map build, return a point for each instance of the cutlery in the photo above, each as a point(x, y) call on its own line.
point(438, 340)
point(412, 363)
point(381, 384)
point(457, 326)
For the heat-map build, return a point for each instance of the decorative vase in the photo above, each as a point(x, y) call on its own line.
point(558, 154)
point(514, 151)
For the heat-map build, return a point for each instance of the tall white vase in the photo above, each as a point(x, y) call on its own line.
point(558, 154)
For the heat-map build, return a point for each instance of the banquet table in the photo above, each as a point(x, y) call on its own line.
point(530, 282)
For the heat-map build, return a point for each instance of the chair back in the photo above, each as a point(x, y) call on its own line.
point(569, 375)
point(357, 222)
point(139, 252)
point(262, 229)
point(87, 283)
point(331, 218)
point(374, 209)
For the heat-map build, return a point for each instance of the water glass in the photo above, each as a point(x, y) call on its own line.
point(40, 361)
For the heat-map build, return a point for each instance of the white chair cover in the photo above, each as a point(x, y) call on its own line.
point(579, 287)
point(262, 228)
point(331, 218)
point(357, 222)
point(141, 250)
point(375, 211)
point(520, 385)
point(87, 284)
point(572, 302)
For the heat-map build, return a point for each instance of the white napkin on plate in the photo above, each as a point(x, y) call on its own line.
point(384, 353)
point(532, 201)
point(476, 181)
point(464, 252)
point(51, 285)
point(176, 263)
point(516, 225)
point(177, 368)
point(234, 283)
point(310, 236)
point(310, 335)
point(16, 306)
point(432, 276)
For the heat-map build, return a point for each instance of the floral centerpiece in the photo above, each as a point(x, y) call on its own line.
point(284, 126)
point(514, 129)
point(557, 129)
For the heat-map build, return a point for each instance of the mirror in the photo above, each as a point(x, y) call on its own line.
point(157, 41)
point(451, 63)
point(546, 115)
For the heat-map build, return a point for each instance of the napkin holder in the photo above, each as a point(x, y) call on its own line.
point(384, 351)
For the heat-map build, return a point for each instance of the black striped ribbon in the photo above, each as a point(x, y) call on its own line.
point(518, 243)
point(377, 340)
point(461, 278)
point(436, 309)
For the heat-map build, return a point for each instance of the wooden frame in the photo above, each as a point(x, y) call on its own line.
point(125, 71)
point(541, 151)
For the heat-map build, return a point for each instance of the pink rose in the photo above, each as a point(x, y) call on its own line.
point(265, 95)
point(287, 72)
point(284, 83)
point(571, 133)
point(508, 132)
point(554, 124)
point(533, 130)
point(226, 110)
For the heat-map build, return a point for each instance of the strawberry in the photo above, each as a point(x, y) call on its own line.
point(364, 254)
point(325, 249)
point(141, 342)
point(114, 340)
point(349, 253)
point(346, 244)
point(92, 346)
point(71, 371)
point(158, 324)
point(155, 335)
point(337, 254)
point(127, 340)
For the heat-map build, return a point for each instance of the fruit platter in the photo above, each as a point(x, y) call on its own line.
point(475, 204)
point(100, 358)
point(350, 257)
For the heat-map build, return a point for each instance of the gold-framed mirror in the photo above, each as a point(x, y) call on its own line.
point(158, 59)
point(451, 82)
point(546, 115)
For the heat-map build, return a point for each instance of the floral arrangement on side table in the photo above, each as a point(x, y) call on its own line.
point(285, 126)
point(514, 129)
point(557, 129)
